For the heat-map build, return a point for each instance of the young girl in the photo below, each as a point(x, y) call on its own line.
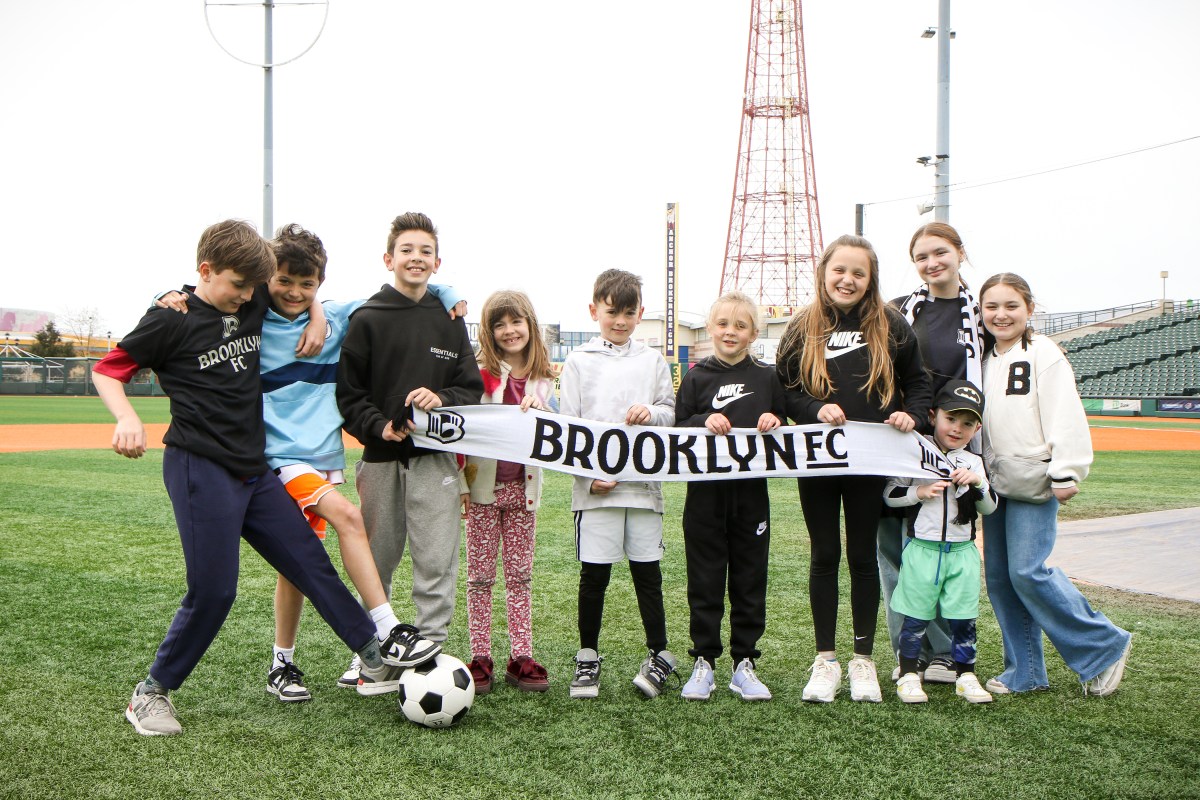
point(848, 356)
point(944, 315)
point(515, 365)
point(1033, 421)
point(727, 524)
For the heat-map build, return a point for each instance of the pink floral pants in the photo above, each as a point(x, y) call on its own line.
point(505, 521)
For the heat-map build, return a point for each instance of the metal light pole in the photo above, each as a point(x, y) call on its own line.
point(1163, 275)
point(941, 179)
point(268, 64)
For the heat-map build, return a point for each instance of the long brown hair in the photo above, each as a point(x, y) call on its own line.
point(804, 340)
point(518, 306)
point(942, 230)
point(1018, 285)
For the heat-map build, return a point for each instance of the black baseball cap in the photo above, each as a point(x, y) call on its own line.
point(960, 396)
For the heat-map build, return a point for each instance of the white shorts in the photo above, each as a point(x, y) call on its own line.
point(607, 535)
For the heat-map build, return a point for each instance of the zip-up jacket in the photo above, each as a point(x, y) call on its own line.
point(934, 520)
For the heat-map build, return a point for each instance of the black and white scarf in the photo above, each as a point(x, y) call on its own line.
point(970, 332)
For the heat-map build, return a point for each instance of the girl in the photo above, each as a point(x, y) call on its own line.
point(727, 524)
point(1034, 428)
point(945, 317)
point(515, 365)
point(848, 356)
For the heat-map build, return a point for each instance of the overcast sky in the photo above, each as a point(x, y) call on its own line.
point(545, 139)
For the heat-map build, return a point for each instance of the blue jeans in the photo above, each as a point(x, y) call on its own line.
point(889, 543)
point(1029, 598)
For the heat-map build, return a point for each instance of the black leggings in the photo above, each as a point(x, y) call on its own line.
point(647, 585)
point(861, 497)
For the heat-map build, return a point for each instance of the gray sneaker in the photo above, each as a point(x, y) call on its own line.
point(654, 673)
point(746, 684)
point(586, 682)
point(940, 670)
point(700, 685)
point(286, 682)
point(1106, 682)
point(151, 713)
point(382, 680)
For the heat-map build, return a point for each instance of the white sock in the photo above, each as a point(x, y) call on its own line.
point(384, 619)
point(281, 655)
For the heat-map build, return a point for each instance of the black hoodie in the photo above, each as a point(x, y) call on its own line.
point(743, 392)
point(848, 361)
point(395, 345)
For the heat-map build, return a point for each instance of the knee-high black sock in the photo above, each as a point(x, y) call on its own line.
point(647, 584)
point(593, 581)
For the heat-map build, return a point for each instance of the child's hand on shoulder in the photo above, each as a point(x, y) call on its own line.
point(602, 487)
point(174, 300)
point(901, 421)
point(930, 490)
point(768, 422)
point(637, 414)
point(964, 477)
point(832, 414)
point(718, 424)
point(459, 310)
point(424, 399)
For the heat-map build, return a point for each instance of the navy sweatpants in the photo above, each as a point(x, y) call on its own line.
point(214, 510)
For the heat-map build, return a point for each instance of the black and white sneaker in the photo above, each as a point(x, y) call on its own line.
point(406, 647)
point(940, 670)
point(286, 682)
point(382, 680)
point(654, 673)
point(586, 682)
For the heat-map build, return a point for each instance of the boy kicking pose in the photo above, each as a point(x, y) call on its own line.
point(214, 466)
point(615, 379)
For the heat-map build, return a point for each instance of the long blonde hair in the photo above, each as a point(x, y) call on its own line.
point(803, 342)
point(518, 306)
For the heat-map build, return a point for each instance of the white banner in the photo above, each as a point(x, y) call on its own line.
point(635, 452)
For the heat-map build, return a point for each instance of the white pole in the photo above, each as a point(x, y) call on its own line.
point(941, 186)
point(268, 128)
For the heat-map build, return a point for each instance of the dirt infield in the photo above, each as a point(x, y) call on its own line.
point(20, 438)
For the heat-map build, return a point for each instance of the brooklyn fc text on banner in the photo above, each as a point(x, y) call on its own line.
point(624, 452)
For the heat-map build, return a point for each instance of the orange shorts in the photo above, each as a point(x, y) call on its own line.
point(307, 486)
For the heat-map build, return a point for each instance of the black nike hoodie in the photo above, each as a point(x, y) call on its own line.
point(848, 361)
point(743, 392)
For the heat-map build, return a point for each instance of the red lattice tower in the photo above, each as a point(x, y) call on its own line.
point(774, 238)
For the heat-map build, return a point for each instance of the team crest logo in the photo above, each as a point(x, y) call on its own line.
point(964, 338)
point(231, 325)
point(931, 459)
point(445, 426)
point(968, 393)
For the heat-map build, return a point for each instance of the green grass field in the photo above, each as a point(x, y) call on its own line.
point(22, 410)
point(90, 573)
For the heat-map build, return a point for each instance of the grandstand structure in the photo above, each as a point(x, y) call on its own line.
point(1155, 356)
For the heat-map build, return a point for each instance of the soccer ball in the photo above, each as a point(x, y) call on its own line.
point(438, 693)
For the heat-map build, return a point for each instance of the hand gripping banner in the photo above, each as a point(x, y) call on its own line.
point(634, 452)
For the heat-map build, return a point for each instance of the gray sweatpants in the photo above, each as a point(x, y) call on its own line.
point(418, 504)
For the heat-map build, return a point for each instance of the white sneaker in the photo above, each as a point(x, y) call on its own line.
point(967, 687)
point(823, 686)
point(745, 683)
point(700, 685)
point(864, 683)
point(909, 690)
point(349, 679)
point(995, 686)
point(1106, 682)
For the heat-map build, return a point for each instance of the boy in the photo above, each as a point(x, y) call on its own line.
point(401, 351)
point(214, 466)
point(615, 379)
point(727, 524)
point(940, 563)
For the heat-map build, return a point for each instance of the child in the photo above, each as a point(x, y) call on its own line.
point(848, 356)
point(515, 366)
point(401, 351)
point(1035, 422)
point(615, 379)
point(214, 466)
point(941, 562)
point(944, 315)
point(727, 524)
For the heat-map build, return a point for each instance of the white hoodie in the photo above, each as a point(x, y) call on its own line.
point(600, 381)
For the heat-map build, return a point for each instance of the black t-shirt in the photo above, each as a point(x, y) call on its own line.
point(208, 364)
point(937, 327)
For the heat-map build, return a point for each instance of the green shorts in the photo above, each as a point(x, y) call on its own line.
point(957, 587)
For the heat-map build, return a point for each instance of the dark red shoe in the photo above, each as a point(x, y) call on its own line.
point(481, 672)
point(526, 674)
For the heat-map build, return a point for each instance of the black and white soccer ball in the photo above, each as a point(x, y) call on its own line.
point(438, 693)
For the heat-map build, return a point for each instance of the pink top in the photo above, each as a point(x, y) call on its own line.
point(508, 471)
